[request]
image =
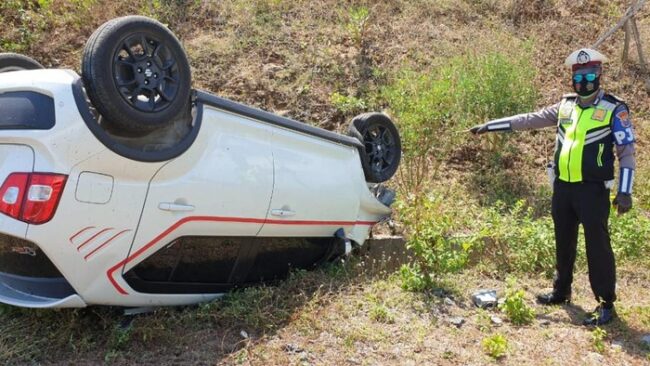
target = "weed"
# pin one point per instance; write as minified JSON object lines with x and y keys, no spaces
{"x":413,"y":279}
{"x":484,"y":321}
{"x":358,"y":20}
{"x":120,"y":338}
{"x":598,"y":336}
{"x":630,"y":234}
{"x":448,"y":355}
{"x":515,"y":241}
{"x":380,"y":313}
{"x":348,"y":104}
{"x":432,"y":238}
{"x":495,"y":346}
{"x":433,"y":107}
{"x":259,"y":307}
{"x":515,"y":308}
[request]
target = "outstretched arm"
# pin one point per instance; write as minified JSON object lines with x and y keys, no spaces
{"x":546,"y":117}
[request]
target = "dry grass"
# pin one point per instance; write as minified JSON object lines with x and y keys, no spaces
{"x":290,"y":57}
{"x":344,"y":332}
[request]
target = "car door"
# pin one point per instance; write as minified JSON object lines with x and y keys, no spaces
{"x":220,"y":187}
{"x":316,"y":187}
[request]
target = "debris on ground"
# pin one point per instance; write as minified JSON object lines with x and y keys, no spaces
{"x":645,"y":341}
{"x":449,"y":302}
{"x":496,"y":320}
{"x":457,"y":321}
{"x":544,"y":322}
{"x":485,"y":298}
{"x":292,"y":348}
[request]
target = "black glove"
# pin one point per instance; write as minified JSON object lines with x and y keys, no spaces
{"x":623,"y":202}
{"x":479,"y":129}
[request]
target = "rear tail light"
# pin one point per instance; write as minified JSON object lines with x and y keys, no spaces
{"x":31,"y":197}
{"x":12,"y":193}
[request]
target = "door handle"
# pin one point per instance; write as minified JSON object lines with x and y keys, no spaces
{"x":175,"y":207}
{"x":282,"y":213}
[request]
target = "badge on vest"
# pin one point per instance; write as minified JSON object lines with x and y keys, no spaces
{"x":599,"y":114}
{"x":565,"y":111}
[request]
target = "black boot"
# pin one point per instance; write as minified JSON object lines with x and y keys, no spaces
{"x":601,"y":315}
{"x":553,"y":298}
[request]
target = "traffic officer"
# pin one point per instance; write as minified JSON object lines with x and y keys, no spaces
{"x":591,"y":127}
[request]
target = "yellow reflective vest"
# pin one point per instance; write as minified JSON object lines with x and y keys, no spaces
{"x":584,"y":149}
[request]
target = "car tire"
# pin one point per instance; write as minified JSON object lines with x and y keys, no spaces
{"x":136,"y":74}
{"x":382,"y":147}
{"x":16,"y":62}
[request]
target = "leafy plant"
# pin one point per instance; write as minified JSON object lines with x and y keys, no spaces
{"x":495,"y":346}
{"x":598,"y":336}
{"x":413,"y":279}
{"x":380,"y":313}
{"x":630,"y":234}
{"x":515,"y":240}
{"x":515,"y":308}
{"x":484,"y":321}
{"x":120,"y":338}
{"x":436,"y":248}
{"x":347,"y":104}
{"x":432,"y":107}
{"x":358,"y":20}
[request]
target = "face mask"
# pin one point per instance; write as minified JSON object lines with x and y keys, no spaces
{"x":586,"y":84}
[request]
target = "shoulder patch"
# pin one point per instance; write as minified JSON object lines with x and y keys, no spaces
{"x":624,"y":118}
{"x":614,"y":98}
{"x":607,"y":105}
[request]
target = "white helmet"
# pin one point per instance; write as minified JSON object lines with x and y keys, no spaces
{"x":584,"y":57}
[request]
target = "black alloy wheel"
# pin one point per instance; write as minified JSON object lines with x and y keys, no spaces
{"x":146,"y":73}
{"x":382,"y":148}
{"x":137,"y":75}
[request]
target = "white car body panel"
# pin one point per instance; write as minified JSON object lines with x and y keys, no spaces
{"x":240,"y":177}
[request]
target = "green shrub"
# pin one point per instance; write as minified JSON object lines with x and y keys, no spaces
{"x":630,"y":235}
{"x":515,"y":308}
{"x":431,"y":106}
{"x":515,"y":241}
{"x":432,"y":227}
{"x":380,"y":313}
{"x":598,"y":336}
{"x":347,"y":104}
{"x":431,"y":109}
{"x":495,"y":346}
{"x":357,"y":23}
{"x":413,"y":279}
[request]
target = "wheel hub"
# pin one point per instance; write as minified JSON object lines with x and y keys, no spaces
{"x":147,"y":74}
{"x":379,"y":147}
{"x":144,"y":70}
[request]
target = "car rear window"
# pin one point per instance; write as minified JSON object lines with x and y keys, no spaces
{"x":26,"y":110}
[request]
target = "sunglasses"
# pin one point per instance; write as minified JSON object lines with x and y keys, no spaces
{"x":589,"y":77}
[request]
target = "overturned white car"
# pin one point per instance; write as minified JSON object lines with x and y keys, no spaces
{"x":126,"y":187}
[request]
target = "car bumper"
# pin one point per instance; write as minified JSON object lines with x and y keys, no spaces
{"x":37,"y":292}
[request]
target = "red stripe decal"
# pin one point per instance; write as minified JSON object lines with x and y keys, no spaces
{"x":93,"y":237}
{"x":241,"y":220}
{"x":79,"y":233}
{"x":104,"y":243}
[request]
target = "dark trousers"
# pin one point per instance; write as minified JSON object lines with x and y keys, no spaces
{"x":585,"y":203}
